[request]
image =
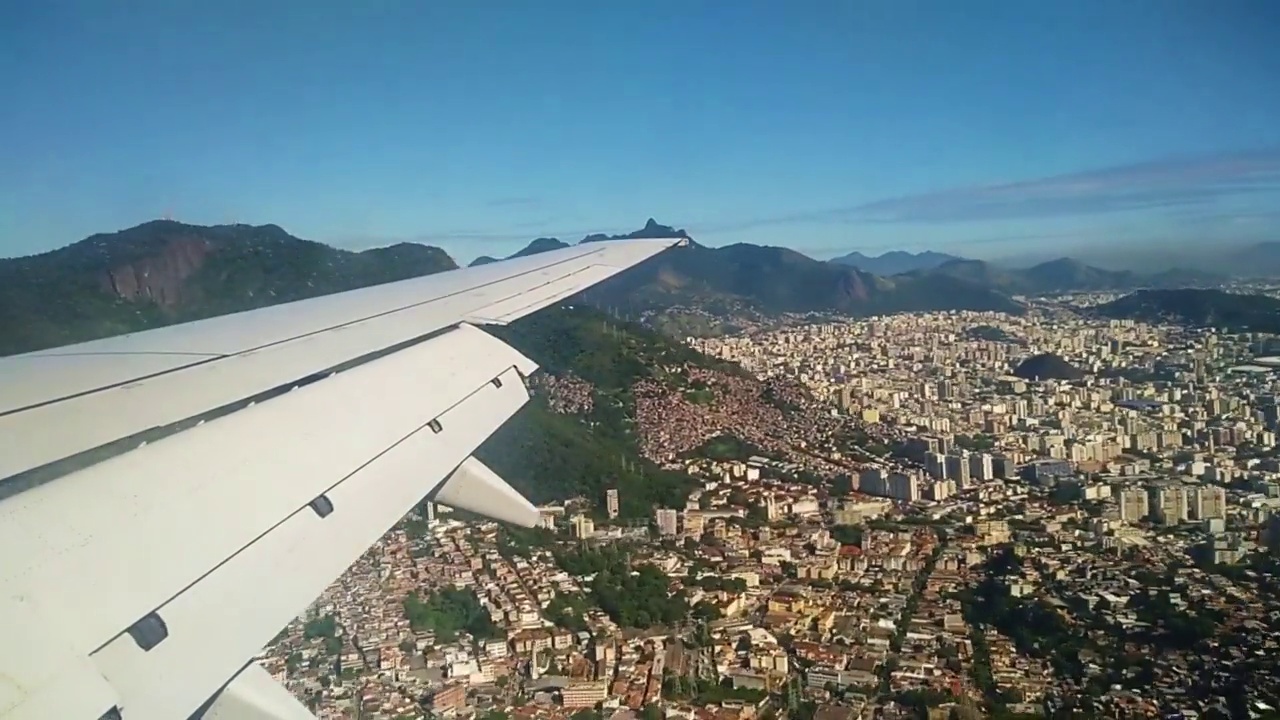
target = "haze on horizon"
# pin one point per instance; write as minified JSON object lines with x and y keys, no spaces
{"x":988,"y":129}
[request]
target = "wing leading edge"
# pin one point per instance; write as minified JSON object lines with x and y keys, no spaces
{"x":137,"y":584}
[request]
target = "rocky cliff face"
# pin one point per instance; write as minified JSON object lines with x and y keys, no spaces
{"x":852,"y":288}
{"x":160,"y":278}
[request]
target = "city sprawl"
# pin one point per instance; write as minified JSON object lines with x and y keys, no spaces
{"x":887,"y":521}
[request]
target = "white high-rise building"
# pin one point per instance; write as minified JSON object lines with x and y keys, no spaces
{"x":903,"y":486}
{"x":1207,"y":502}
{"x":1134,"y":504}
{"x":980,"y":467}
{"x":1168,"y":504}
{"x":667,"y":520}
{"x":611,"y":502}
{"x":582,"y":526}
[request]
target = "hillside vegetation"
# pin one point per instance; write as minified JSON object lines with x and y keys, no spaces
{"x":165,"y":272}
{"x":549,"y":455}
{"x":777,"y":280}
{"x":1233,"y":312}
{"x":1063,"y":275}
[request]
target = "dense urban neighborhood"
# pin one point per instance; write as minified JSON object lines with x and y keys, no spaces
{"x":925,"y":515}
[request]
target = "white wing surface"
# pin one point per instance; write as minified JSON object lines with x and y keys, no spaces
{"x":170,"y":499}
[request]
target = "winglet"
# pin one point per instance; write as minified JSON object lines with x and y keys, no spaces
{"x":476,"y":488}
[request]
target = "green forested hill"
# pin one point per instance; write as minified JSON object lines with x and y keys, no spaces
{"x":1061,"y":275}
{"x":547,"y":455}
{"x":164,"y":272}
{"x":1232,"y":312}
{"x":777,"y":280}
{"x":610,"y":353}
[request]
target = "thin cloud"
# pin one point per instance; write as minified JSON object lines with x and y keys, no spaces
{"x":1175,"y":184}
{"x":1222,"y":217}
{"x":1187,"y":186}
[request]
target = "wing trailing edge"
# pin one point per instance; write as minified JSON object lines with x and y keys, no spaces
{"x":476,"y":488}
{"x":254,"y":695}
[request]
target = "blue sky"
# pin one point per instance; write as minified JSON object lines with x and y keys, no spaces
{"x":985,"y":128}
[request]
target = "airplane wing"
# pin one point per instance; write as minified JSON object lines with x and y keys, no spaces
{"x":170,"y":499}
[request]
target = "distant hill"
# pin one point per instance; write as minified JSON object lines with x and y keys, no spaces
{"x":1047,"y":366}
{"x":1233,"y":312}
{"x":977,"y":272}
{"x":774,"y":279}
{"x":1253,"y":261}
{"x":651,"y":229}
{"x":1065,"y":275}
{"x":1175,"y":278}
{"x":894,"y":261}
{"x":163,"y":272}
{"x":541,"y":245}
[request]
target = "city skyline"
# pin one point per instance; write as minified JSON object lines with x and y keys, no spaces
{"x":995,"y":132}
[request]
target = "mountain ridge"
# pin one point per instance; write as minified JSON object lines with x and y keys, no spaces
{"x":894,"y":262}
{"x":775,"y":279}
{"x":1228,"y":311}
{"x":1063,"y":275}
{"x":652,"y":229}
{"x":162,"y":272}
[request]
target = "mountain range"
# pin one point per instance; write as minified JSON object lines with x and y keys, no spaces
{"x":163,"y":271}
{"x":1252,"y":261}
{"x":651,"y":229}
{"x":744,"y":275}
{"x":767,"y":279}
{"x":776,"y":279}
{"x":894,"y":262}
{"x":1065,"y":275}
{"x":1257,"y":260}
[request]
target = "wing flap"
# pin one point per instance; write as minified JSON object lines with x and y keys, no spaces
{"x":34,"y":683}
{"x":211,"y":623}
{"x":476,"y":488}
